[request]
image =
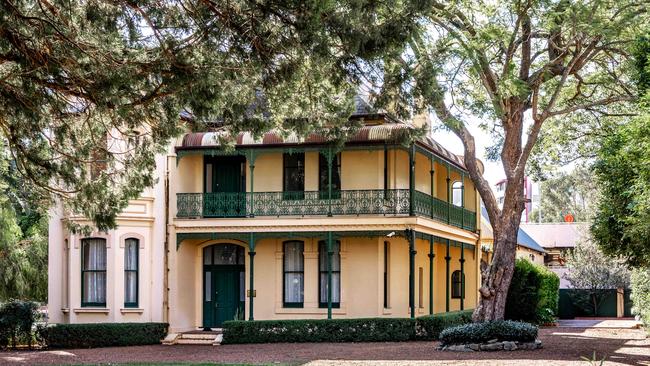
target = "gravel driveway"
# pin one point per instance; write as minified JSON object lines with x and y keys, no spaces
{"x":562,"y":346}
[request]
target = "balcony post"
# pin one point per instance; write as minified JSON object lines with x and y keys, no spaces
{"x":462,"y":276}
{"x":447,"y":259}
{"x":251,"y":287}
{"x":412,"y":180}
{"x":431,"y":256}
{"x":448,"y":196}
{"x":410,"y":233}
{"x":330,"y":253}
{"x":329,"y":183}
{"x":432,"y":186}
{"x":251,"y":166}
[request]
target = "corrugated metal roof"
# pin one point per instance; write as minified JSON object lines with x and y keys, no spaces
{"x":557,"y":235}
{"x":387,"y":132}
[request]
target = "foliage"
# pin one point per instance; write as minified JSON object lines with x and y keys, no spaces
{"x":429,"y":327}
{"x":17,"y":319}
{"x":572,"y":193}
{"x":593,"y":272}
{"x":82,"y":80}
{"x":103,"y":334}
{"x":511,"y":66}
{"x":640,"y":284}
{"x":23,"y":238}
{"x":501,"y":330}
{"x":622,"y":222}
{"x":320,"y":330}
{"x":533,"y":294}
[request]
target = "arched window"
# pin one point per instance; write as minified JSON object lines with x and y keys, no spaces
{"x":457,"y":193}
{"x":131,"y":266}
{"x":294,"y":273}
{"x":457,"y":285}
{"x":93,"y":272}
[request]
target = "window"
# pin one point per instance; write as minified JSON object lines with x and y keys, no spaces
{"x":294,"y":176}
{"x":93,"y":272}
{"x":323,"y":176}
{"x":386,"y":274}
{"x":457,"y":285}
{"x":336,"y":274}
{"x":131,"y":264}
{"x":294,"y":273}
{"x":457,"y":193}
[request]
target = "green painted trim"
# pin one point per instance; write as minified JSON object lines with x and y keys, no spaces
{"x":411,"y":238}
{"x":431,"y":257}
{"x":447,"y":259}
{"x":462,"y":277}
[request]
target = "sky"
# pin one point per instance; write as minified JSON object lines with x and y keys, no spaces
{"x":493,"y":170}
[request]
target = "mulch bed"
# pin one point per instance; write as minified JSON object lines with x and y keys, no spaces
{"x":561,"y":346}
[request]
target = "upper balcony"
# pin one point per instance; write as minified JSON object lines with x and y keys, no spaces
{"x":374,"y":173}
{"x":393,"y":202}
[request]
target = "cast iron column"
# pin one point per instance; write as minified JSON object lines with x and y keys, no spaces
{"x":251,"y":287}
{"x":411,"y":238}
{"x":431,"y":256}
{"x":412,"y":180}
{"x":447,"y":259}
{"x":330,"y":253}
{"x":462,"y":276}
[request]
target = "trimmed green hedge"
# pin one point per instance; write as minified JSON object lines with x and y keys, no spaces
{"x":501,"y":330}
{"x":429,"y":327}
{"x":342,"y":330}
{"x":533,"y":294}
{"x":319,"y":330}
{"x":103,"y":334}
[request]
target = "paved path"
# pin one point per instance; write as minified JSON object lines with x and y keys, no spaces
{"x":562,"y":346}
{"x":599,"y":323}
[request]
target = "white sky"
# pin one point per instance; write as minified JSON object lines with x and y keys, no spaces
{"x":493,"y":170}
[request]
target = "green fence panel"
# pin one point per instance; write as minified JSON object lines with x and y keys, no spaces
{"x":576,"y":303}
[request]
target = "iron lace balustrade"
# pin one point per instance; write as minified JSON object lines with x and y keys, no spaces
{"x":308,"y":203}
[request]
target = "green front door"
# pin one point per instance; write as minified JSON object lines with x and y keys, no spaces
{"x":224,"y":181}
{"x":223,"y":284}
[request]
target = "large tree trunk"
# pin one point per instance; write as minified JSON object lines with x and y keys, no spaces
{"x":497,"y":276}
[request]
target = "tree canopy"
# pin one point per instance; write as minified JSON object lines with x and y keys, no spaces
{"x":511,"y":66}
{"x":622,"y":222}
{"x":79,"y":81}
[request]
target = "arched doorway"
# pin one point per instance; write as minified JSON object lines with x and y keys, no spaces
{"x":223,"y":284}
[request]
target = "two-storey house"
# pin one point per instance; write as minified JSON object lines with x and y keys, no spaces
{"x":280,"y":227}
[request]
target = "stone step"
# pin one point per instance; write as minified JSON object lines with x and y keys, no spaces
{"x":211,"y":336}
{"x":195,"y":341}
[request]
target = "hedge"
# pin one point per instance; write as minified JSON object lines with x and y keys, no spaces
{"x":640,"y":283}
{"x":500,"y":330}
{"x":533,"y":294}
{"x":103,"y":334}
{"x":429,"y":327}
{"x":342,"y":330}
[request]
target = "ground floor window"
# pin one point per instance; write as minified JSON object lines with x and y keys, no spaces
{"x":131,"y":247}
{"x":336,"y":274}
{"x":93,"y":272}
{"x":457,"y":285}
{"x":294,"y":273}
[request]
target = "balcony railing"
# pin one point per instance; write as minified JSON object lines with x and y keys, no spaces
{"x":348,"y":202}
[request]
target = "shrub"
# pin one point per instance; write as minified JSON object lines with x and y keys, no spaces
{"x":501,"y":330}
{"x":640,"y":284}
{"x":103,"y":334}
{"x":429,"y":327}
{"x":319,"y":330}
{"x":533,"y":294}
{"x":17,"y":319}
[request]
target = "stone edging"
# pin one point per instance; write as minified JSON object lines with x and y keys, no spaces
{"x":492,"y":345}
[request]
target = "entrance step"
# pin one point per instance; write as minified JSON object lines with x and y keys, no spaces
{"x":213,"y":337}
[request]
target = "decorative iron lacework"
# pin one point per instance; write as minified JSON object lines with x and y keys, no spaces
{"x":254,"y":237}
{"x":314,"y":203}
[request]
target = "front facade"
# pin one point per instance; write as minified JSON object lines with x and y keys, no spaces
{"x":279,"y":228}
